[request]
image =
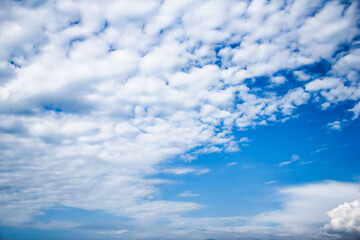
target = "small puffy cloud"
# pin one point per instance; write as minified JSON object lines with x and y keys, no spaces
{"x":244,"y":140}
{"x":325,"y":105}
{"x":336,"y":125}
{"x":322,"y":84}
{"x":348,"y":64}
{"x":295,"y":157}
{"x":356,"y":111}
{"x":345,"y":220}
{"x":278,"y":80}
{"x":301,"y":76}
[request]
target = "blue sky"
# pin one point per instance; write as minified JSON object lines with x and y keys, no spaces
{"x":149,"y":119}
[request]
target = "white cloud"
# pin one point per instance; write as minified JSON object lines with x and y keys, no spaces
{"x":271,"y":182}
{"x":345,"y":220}
{"x":323,"y":84}
{"x":356,"y":111}
{"x":294,"y":158}
{"x":301,"y":76}
{"x":98,"y":95}
{"x":188,"y":194}
{"x":321,"y":34}
{"x":302,"y":216}
{"x":231,"y":164}
{"x":278,"y":80}
{"x":244,"y":140}
{"x":320,"y":150}
{"x":335,"y":125}
{"x":307,"y":205}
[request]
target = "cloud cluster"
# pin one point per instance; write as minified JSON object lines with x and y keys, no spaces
{"x":302,"y":215}
{"x":94,"y":96}
{"x":345,"y":220}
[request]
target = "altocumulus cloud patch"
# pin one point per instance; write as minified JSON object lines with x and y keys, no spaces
{"x":101,"y":102}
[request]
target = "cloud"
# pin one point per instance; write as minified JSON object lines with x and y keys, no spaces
{"x":278,"y":80}
{"x":271,"y":182}
{"x":294,"y":158}
{"x":302,"y":215}
{"x":188,"y":194}
{"x":182,"y":171}
{"x":345,"y":220}
{"x":117,"y":232}
{"x":244,"y":140}
{"x":335,"y":125}
{"x":356,"y":111}
{"x":99,"y":95}
{"x":231,"y":164}
{"x":323,"y":84}
{"x":306,"y":206}
{"x":320,"y":150}
{"x":301,"y":76}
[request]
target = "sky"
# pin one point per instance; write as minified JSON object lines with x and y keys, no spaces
{"x":167,"y":119}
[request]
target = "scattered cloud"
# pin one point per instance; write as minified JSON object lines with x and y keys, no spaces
{"x":188,"y":194}
{"x":320,"y":150}
{"x":244,"y":140}
{"x":302,"y":216}
{"x":301,"y":76}
{"x":95,"y":96}
{"x":231,"y":164}
{"x":323,"y":84}
{"x":335,"y":125}
{"x":271,"y":182}
{"x":278,"y":80}
{"x":356,"y":111}
{"x":294,"y":158}
{"x":182,"y":171}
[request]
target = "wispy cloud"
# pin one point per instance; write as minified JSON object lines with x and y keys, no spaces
{"x":271,"y":182}
{"x":294,"y":158}
{"x":231,"y":164}
{"x":188,"y":194}
{"x":320,"y":150}
{"x":182,"y":171}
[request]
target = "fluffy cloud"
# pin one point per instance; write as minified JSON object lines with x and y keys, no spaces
{"x":356,"y":111}
{"x":94,"y":97}
{"x":345,"y":220}
{"x":323,"y":84}
{"x":302,"y":215}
